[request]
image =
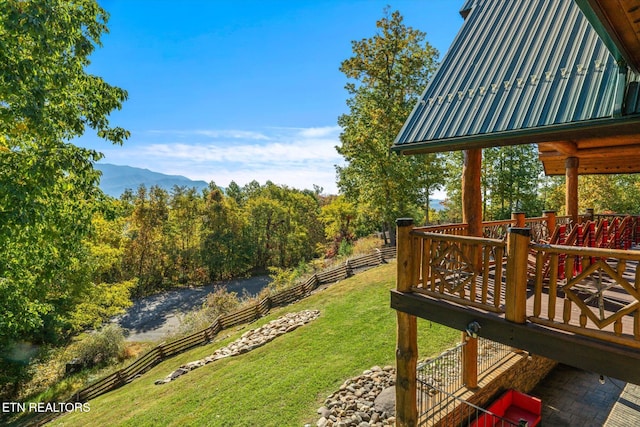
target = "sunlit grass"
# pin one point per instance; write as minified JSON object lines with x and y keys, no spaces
{"x":281,"y":383}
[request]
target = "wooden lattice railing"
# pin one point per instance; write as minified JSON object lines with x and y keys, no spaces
{"x":597,"y":293}
{"x":452,"y":267}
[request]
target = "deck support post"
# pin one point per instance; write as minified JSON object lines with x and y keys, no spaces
{"x":407,"y":333}
{"x":516,"y":286}
{"x":550,"y":217}
{"x":571,"y":172}
{"x":470,"y":361}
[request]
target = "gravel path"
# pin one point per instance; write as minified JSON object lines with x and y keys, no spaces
{"x":153,"y":317}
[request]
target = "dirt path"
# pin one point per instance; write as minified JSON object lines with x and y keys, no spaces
{"x":153,"y":317}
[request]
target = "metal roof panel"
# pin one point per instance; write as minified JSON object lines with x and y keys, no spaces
{"x":516,"y":65}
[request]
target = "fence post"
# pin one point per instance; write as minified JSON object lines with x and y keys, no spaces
{"x":407,"y":341}
{"x":516,"y":286}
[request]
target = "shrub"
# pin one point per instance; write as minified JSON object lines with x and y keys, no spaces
{"x":101,"y":346}
{"x":220,"y":301}
{"x":345,"y":249}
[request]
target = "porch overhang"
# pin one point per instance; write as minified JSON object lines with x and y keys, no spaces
{"x":617,"y":22}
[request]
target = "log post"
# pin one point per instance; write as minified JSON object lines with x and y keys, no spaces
{"x":550,"y":216}
{"x":519,"y":218}
{"x":516,"y":286}
{"x":590,"y":212}
{"x":472,"y":201}
{"x":571,"y":173}
{"x":407,"y":333}
{"x":470,"y":361}
{"x":472,"y":192}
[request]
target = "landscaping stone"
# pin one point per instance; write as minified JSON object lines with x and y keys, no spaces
{"x":386,"y":401}
{"x":353,"y":404}
{"x":249,"y":340}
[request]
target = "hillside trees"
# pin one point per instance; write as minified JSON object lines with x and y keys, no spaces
{"x":49,"y":188}
{"x":388,"y":72}
{"x":161,"y":239}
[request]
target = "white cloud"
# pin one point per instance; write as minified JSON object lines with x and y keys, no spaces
{"x":296,"y":157}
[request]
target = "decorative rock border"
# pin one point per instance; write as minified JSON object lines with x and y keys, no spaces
{"x":364,"y":401}
{"x":249,"y":340}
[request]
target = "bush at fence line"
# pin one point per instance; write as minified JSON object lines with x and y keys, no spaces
{"x":100,"y":347}
{"x":367,"y":245}
{"x":345,"y":249}
{"x":220,"y":301}
{"x":283,"y":278}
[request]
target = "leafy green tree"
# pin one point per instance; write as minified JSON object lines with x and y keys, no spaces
{"x":146,"y":258}
{"x":48,"y":187}
{"x":387,"y":71}
{"x":225,"y":246}
{"x":183,"y":236}
{"x":511,"y":179}
{"x":339,"y":222}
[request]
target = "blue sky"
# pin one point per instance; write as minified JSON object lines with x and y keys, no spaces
{"x":241,"y":90}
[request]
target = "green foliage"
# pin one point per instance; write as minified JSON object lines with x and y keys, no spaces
{"x":346,"y":248}
{"x":221,"y":302}
{"x":103,"y":301}
{"x":49,"y":187}
{"x":282,"y":278}
{"x":339,"y":219}
{"x":510,"y":180}
{"x":390,"y":70}
{"x":144,"y":257}
{"x":47,"y":94}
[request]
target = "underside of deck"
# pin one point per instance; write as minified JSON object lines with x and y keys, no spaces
{"x":583,"y":352}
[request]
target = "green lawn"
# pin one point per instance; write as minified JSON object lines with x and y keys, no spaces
{"x":281,"y":383}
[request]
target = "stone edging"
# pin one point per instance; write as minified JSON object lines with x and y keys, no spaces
{"x":250,"y":340}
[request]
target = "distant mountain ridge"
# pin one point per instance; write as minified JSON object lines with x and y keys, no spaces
{"x":116,"y":179}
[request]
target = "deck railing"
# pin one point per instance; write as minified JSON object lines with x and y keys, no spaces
{"x":451,"y":267}
{"x":589,"y":291}
{"x":584,"y":290}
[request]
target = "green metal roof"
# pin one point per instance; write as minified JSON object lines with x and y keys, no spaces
{"x":517,"y":68}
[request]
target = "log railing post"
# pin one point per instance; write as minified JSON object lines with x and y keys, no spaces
{"x":590,"y":213}
{"x":407,"y":333}
{"x":519,"y":218}
{"x":470,"y":361}
{"x":550,"y":216}
{"x":516,"y":286}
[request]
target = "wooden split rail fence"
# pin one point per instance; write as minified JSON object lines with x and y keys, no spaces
{"x":244,"y":315}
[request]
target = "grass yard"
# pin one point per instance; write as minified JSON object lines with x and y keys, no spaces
{"x":281,"y":383}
